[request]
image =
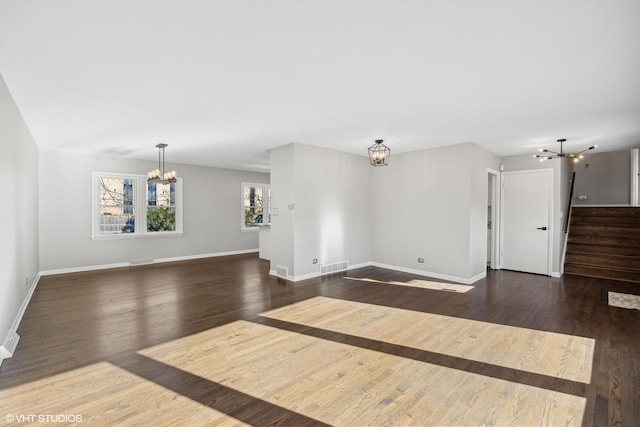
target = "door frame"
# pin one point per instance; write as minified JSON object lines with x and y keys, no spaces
{"x":551,"y":225}
{"x":495,"y":218}
{"x":635,"y":177}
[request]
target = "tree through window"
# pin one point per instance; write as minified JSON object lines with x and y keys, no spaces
{"x":256,"y":205}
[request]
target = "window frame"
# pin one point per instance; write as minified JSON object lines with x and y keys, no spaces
{"x":266,"y":207}
{"x":139,"y":208}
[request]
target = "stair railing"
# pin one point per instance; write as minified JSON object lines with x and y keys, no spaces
{"x":567,"y":220}
{"x":567,"y":217}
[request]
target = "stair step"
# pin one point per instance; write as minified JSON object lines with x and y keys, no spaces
{"x":602,"y":273}
{"x":619,"y":221}
{"x":631,"y":250}
{"x":603,"y":240}
{"x":605,"y":211}
{"x":616,"y":262}
{"x":599,"y":230}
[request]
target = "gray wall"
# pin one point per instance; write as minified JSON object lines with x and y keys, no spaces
{"x":432,"y":204}
{"x":19,"y":215}
{"x":604,"y":178}
{"x":212,"y":213}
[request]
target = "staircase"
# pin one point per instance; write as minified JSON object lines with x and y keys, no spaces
{"x":605,"y":243}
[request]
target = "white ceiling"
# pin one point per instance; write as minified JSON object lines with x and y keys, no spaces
{"x":222,"y":82}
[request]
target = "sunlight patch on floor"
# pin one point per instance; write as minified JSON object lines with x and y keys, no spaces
{"x":102,"y":394}
{"x":548,"y":353}
{"x":341,"y":384}
{"x":423,"y":284}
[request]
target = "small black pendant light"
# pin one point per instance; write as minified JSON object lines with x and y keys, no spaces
{"x":379,"y":154}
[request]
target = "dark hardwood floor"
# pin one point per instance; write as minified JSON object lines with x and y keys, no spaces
{"x":79,"y":320}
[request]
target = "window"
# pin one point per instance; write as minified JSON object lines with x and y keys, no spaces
{"x":161,"y":207}
{"x":256,"y":205}
{"x":128,"y":206}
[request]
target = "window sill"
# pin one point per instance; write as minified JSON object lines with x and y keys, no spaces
{"x":126,"y":236}
{"x":254,"y":228}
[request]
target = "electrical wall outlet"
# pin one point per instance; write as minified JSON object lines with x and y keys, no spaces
{"x":315,"y":260}
{"x":421,"y":260}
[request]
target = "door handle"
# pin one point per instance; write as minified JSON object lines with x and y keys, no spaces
{"x":542,"y":228}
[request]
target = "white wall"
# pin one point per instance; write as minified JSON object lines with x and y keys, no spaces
{"x":330,"y":218}
{"x":432,"y":204}
{"x":282,"y":195}
{"x":332,"y":208}
{"x":19,"y":214}
{"x":481,"y":160}
{"x":212,"y":213}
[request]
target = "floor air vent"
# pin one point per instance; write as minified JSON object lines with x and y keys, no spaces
{"x":282,"y":272}
{"x":9,"y":345}
{"x":334,"y":268}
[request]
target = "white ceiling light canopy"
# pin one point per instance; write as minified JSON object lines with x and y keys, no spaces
{"x":555,"y":155}
{"x":159,"y":175}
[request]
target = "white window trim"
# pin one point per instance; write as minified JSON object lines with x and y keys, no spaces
{"x":140,"y":208}
{"x":266,"y":208}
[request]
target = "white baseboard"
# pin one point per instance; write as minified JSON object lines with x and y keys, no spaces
{"x":10,"y":341}
{"x":154,"y":261}
{"x":318,"y":274}
{"x":25,"y":303}
{"x":465,"y":281}
{"x":85,"y":268}
{"x":213,"y":255}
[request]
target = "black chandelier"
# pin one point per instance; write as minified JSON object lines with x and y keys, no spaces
{"x":555,"y":155}
{"x":379,"y":154}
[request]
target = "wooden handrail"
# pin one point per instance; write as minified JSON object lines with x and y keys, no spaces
{"x":567,"y":217}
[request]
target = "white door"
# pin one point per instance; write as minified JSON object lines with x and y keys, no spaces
{"x":526,"y":220}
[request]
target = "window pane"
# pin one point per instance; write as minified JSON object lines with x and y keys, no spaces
{"x":161,"y":207}
{"x":252,"y":217}
{"x":116,"y":206}
{"x":253,"y":196}
{"x":161,"y":219}
{"x":268,"y":219}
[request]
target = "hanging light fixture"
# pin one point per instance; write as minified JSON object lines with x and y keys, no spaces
{"x":554,"y":155}
{"x":159,"y":175}
{"x":379,"y":154}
